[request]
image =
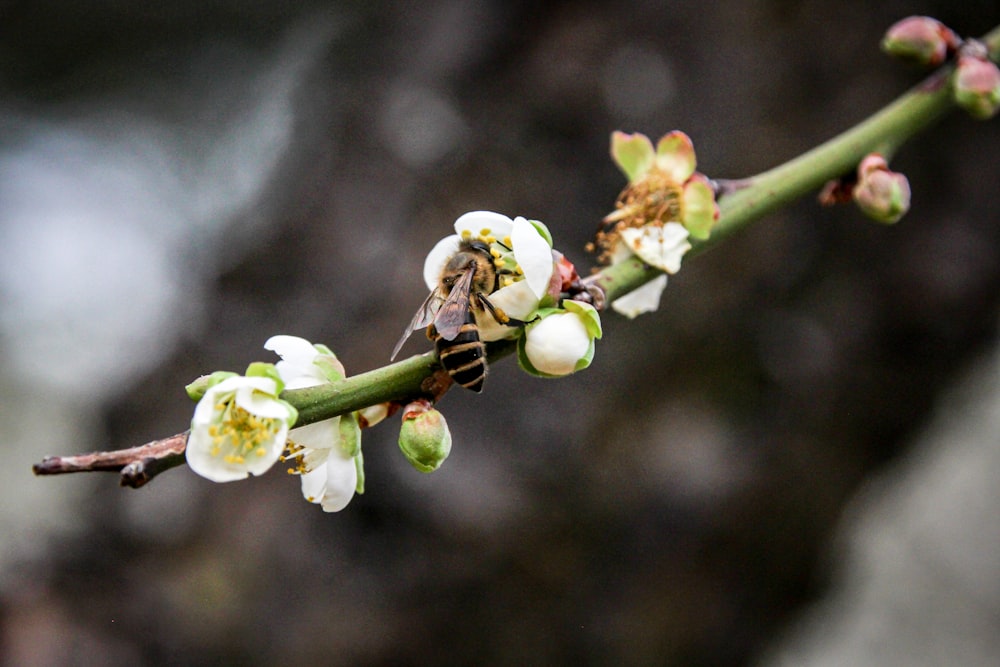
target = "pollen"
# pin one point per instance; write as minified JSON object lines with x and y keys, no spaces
{"x":656,"y":199}
{"x":237,"y":434}
{"x":507,"y":242}
{"x":466,"y":234}
{"x":485,"y":231}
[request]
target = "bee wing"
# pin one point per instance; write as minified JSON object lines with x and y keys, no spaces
{"x":454,"y":312}
{"x":424,"y":316}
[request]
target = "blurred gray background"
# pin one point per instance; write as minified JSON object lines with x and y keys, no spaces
{"x":776,"y":468}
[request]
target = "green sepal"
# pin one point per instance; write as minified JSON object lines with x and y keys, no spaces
{"x":543,"y":230}
{"x":329,"y":367}
{"x":323,"y":349}
{"x":591,"y":318}
{"x":293,"y":413}
{"x":350,"y":435}
{"x":585,"y":360}
{"x":197,"y":389}
{"x":359,"y":463}
{"x":265,"y":370}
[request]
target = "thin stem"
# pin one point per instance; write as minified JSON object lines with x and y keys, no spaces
{"x":758,"y":195}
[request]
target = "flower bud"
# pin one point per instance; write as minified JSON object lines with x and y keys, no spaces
{"x":920,"y":39}
{"x":882,"y":195}
{"x":977,"y":85}
{"x":562,"y":342}
{"x":424,"y":437}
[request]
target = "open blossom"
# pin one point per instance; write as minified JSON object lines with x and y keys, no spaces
{"x":327,"y":454}
{"x":520,"y":246}
{"x":665,"y":202}
{"x":663,"y":184}
{"x":239,"y":428}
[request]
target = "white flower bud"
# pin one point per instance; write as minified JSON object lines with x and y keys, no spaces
{"x":563,"y":342}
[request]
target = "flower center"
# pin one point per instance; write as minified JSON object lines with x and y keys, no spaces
{"x":238,"y":434}
{"x":656,"y":199}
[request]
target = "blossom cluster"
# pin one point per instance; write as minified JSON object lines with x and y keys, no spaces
{"x":241,"y":427}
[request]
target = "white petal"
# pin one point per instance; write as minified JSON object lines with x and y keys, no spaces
{"x":517,"y":300}
{"x":660,"y":246}
{"x":296,"y":367}
{"x":262,"y":402}
{"x":533,"y":254}
{"x":557,"y":343}
{"x":437,"y":258}
{"x":204,"y":412}
{"x":646,"y":299}
{"x":319,"y":435}
{"x":332,"y":484}
{"x":259,"y":464}
{"x":314,"y":484}
{"x":478,"y":222}
{"x":341,"y":481}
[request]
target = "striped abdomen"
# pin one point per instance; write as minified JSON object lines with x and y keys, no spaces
{"x":464,"y":357}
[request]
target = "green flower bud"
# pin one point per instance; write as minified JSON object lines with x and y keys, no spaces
{"x":920,"y":39}
{"x":882,"y":195}
{"x":424,"y":437}
{"x":976,"y":84}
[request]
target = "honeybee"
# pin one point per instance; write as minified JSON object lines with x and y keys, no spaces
{"x":449,"y":313}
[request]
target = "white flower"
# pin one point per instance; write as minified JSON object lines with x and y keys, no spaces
{"x":660,"y":246}
{"x":327,"y":453}
{"x":562,"y":342}
{"x":532,"y":254}
{"x":239,"y":429}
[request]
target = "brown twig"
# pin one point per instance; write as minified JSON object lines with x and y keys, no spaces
{"x":136,"y":465}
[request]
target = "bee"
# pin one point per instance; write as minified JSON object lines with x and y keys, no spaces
{"x":449,"y":313}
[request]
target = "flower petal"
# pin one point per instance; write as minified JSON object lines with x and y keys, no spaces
{"x":646,"y":299}
{"x":437,"y":258}
{"x":533,"y":255}
{"x":699,"y":212}
{"x":297,"y":366}
{"x":675,"y":156}
{"x":517,"y":300}
{"x":332,"y":484}
{"x":318,"y":435}
{"x":262,"y":402}
{"x":660,"y":246}
{"x":484,"y":223}
{"x":633,"y":153}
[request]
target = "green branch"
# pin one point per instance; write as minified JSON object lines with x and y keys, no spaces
{"x":754,"y":197}
{"x":740,"y":202}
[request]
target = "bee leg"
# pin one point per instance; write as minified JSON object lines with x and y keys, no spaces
{"x":500,"y":316}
